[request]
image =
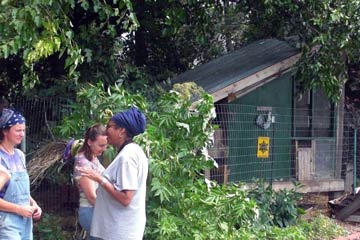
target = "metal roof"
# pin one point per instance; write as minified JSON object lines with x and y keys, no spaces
{"x":232,"y":67}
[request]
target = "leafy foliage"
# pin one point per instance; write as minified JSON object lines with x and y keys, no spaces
{"x":36,"y":30}
{"x":328,"y":33}
{"x":278,"y":208}
{"x":189,"y":91}
{"x":319,"y":227}
{"x":100,"y":40}
{"x":49,"y":228}
{"x":182,"y":203}
{"x":322,"y":227}
{"x":94,"y":105}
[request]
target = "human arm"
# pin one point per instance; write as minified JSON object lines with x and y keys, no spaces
{"x":22,"y":210}
{"x":4,"y":176}
{"x":10,"y":207}
{"x":37,"y":211}
{"x":124,"y":197}
{"x":88,"y":187}
{"x":85,"y":184}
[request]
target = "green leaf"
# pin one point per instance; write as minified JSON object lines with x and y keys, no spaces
{"x":5,"y":50}
{"x":4,"y":2}
{"x":69,"y":34}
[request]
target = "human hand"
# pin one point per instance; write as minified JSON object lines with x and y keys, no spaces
{"x":90,"y":173}
{"x":37,"y":213}
{"x":25,"y":211}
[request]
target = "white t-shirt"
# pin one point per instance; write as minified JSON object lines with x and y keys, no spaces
{"x":111,"y":220}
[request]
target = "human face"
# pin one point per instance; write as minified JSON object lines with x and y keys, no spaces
{"x":15,"y":134}
{"x":98,"y":146}
{"x":116,"y":135}
{"x":112,"y":132}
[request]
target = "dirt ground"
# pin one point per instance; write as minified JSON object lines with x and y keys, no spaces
{"x":352,"y":229}
{"x":318,"y":204}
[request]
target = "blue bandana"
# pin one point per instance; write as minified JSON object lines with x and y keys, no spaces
{"x":133,"y":120}
{"x":9,"y":118}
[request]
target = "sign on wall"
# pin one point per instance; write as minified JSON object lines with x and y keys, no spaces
{"x":263,"y":147}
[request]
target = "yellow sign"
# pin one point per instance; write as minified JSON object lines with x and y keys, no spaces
{"x":263,"y":147}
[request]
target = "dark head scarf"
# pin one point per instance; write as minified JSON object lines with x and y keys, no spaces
{"x":9,"y":118}
{"x":133,"y":120}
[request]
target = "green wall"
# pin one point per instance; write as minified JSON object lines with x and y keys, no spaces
{"x":243,"y":133}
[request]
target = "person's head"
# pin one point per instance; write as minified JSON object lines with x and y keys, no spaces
{"x":12,"y":126}
{"x":125,"y":125}
{"x":95,"y":141}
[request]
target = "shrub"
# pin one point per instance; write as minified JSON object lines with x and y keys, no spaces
{"x":182,"y":203}
{"x":49,"y":228}
{"x":278,"y":208}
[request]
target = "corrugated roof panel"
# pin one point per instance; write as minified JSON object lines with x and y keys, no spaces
{"x":230,"y":68}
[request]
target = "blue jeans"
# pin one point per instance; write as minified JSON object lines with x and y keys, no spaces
{"x":85,"y":216}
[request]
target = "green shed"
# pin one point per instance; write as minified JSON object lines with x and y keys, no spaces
{"x":265,"y":129}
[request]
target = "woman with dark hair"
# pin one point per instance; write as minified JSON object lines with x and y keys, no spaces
{"x":119,"y":211}
{"x":17,"y":207}
{"x":87,"y":157}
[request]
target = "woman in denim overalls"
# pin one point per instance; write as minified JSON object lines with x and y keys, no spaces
{"x":17,"y":208}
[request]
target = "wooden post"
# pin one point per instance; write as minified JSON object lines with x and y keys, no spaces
{"x":305,"y":164}
{"x":225,"y":174}
{"x":349,"y":209}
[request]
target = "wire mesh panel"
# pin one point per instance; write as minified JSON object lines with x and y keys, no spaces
{"x":54,"y":195}
{"x":257,"y":145}
{"x":250,"y":142}
{"x":350,"y":146}
{"x":41,"y":115}
{"x":272,"y":143}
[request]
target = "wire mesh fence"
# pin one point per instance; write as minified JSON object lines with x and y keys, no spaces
{"x":250,"y":142}
{"x":281,"y":144}
{"x":41,"y":114}
{"x":56,"y":196}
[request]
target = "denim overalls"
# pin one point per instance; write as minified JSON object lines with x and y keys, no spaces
{"x":13,"y":226}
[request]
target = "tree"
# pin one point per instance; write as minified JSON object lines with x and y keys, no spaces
{"x":45,"y":35}
{"x":124,"y":41}
{"x":326,"y":32}
{"x":104,"y":41}
{"x":330,"y":27}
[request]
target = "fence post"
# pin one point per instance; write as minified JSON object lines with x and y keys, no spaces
{"x":272,"y":145}
{"x":23,"y":144}
{"x":355,"y":142}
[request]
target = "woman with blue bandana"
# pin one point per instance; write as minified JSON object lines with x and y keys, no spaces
{"x":119,"y":211}
{"x":17,"y":207}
